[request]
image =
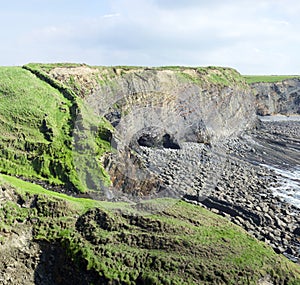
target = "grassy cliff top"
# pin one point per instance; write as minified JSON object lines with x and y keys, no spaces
{"x":268,"y":78}
{"x":67,"y":73}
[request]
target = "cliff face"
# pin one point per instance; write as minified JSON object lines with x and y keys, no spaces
{"x":160,"y":108}
{"x":278,"y":98}
{"x":71,"y":117}
{"x":187,"y":103}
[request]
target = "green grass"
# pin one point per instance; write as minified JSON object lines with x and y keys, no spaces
{"x":37,"y":117}
{"x":219,"y":76}
{"x":23,"y":187}
{"x":183,"y":244}
{"x":223,"y":76}
{"x":172,"y":67}
{"x":127,"y":67}
{"x":34,"y":129}
{"x":268,"y":78}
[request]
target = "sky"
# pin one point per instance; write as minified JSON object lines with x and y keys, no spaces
{"x":254,"y":37}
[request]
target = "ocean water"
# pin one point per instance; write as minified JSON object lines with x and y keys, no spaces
{"x":288,"y":187}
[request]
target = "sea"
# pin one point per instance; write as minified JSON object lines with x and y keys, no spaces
{"x":288,"y":187}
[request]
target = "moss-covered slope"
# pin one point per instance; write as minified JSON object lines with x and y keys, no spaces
{"x":37,"y":117}
{"x":114,"y":244}
{"x":35,"y":128}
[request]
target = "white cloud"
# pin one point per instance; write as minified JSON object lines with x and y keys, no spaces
{"x":112,"y":15}
{"x":252,"y":36}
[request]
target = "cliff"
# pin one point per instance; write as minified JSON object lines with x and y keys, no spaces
{"x":78,"y":116}
{"x":281,"y":97}
{"x":128,"y":137}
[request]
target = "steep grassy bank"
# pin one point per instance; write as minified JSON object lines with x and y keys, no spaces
{"x":112,"y":244}
{"x":37,"y":128}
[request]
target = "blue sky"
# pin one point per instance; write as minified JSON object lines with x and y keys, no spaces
{"x":255,"y":37}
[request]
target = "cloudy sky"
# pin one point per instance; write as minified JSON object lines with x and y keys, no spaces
{"x":255,"y":36}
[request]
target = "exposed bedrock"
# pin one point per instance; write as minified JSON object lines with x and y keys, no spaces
{"x":186,"y":109}
{"x":163,"y":109}
{"x":278,"y":98}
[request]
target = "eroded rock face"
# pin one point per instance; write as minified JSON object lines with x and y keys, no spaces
{"x":158,"y":109}
{"x":278,"y":98}
{"x":185,"y":109}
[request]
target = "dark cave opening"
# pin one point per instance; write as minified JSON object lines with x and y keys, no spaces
{"x":166,"y":141}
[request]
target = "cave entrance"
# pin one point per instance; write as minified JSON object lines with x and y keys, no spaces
{"x":165,"y":141}
{"x":168,"y":142}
